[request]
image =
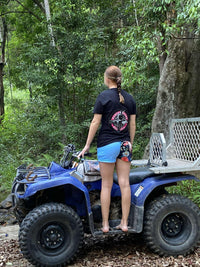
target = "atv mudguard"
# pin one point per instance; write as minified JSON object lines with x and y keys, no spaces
{"x":59,"y":176}
{"x":140,"y":192}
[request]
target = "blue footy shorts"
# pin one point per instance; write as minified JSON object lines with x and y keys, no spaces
{"x":117,"y":150}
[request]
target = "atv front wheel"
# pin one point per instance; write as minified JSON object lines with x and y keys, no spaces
{"x":172,"y":225}
{"x":51,"y":235}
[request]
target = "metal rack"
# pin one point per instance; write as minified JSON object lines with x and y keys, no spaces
{"x":30,"y":174}
{"x":183,"y":152}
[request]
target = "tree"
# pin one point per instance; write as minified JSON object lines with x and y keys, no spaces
{"x":163,"y":33}
{"x":67,"y":76}
{"x":48,"y":15}
{"x":3,"y":39}
{"x":178,"y":92}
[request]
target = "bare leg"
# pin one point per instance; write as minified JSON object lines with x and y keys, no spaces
{"x":107,"y":170}
{"x":123,"y":170}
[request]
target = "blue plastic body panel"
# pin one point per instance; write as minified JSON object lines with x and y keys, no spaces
{"x":72,"y":187}
{"x":61,"y":177}
{"x":139,"y":192}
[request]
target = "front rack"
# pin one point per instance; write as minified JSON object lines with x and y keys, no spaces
{"x":30,"y":173}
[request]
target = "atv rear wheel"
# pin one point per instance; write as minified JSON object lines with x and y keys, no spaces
{"x":51,"y":235}
{"x":172,"y":225}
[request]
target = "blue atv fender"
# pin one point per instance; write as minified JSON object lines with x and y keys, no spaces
{"x":53,"y":177}
{"x":145,"y":186}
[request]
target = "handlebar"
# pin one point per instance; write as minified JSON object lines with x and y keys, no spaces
{"x":87,"y":154}
{"x":70,"y":154}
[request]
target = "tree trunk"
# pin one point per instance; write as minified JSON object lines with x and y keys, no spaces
{"x":1,"y":93}
{"x":2,"y":63}
{"x":162,"y":52}
{"x":48,"y":16}
{"x":178,"y":92}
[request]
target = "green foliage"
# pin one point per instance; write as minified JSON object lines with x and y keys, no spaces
{"x":50,"y":90}
{"x":62,"y":82}
{"x":141,"y":75}
{"x":31,"y":133}
{"x":189,"y":189}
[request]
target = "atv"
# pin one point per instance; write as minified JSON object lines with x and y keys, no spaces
{"x":56,"y":205}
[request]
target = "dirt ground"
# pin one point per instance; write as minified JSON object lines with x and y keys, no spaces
{"x":104,"y":251}
{"x":9,"y":232}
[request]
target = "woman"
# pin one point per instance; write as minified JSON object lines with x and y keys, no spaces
{"x":115,"y":109}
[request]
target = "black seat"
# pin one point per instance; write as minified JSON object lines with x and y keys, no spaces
{"x":137,"y":175}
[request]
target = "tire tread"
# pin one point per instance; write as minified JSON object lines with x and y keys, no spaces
{"x":153,"y":208}
{"x":33,"y":216}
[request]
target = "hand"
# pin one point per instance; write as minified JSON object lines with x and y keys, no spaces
{"x":130,"y":146}
{"x":85,"y":149}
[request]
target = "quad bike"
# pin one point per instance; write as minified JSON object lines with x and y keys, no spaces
{"x":56,"y":205}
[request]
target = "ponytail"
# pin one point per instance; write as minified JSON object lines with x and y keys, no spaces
{"x":121,"y":98}
{"x":114,"y":73}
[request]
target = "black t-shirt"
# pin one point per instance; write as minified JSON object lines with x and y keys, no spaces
{"x":115,"y":116}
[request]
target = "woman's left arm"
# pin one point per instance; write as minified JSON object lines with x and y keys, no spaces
{"x":132,"y":127}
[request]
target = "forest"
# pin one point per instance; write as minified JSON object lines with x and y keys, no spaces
{"x":53,"y":55}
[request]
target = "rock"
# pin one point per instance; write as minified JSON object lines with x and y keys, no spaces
{"x":6,"y":203}
{"x":6,"y":212}
{"x":3,"y":210}
{"x":7,"y":218}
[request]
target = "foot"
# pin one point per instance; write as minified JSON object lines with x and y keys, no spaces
{"x":105,"y":229}
{"x":124,"y":228}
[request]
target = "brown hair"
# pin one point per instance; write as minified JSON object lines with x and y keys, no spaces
{"x":114,"y":73}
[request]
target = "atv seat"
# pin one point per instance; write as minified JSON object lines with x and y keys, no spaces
{"x":137,"y":175}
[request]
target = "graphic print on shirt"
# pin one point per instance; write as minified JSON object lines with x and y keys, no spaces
{"x":119,"y":120}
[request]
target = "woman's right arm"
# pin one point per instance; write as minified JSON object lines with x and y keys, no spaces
{"x":94,"y":125}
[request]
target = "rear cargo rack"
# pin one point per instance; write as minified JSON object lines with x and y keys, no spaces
{"x":183,"y":152}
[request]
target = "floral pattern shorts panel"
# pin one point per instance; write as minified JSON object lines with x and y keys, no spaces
{"x":125,"y":153}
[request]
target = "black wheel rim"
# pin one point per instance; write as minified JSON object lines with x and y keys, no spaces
{"x":176,"y":228}
{"x":52,"y":237}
